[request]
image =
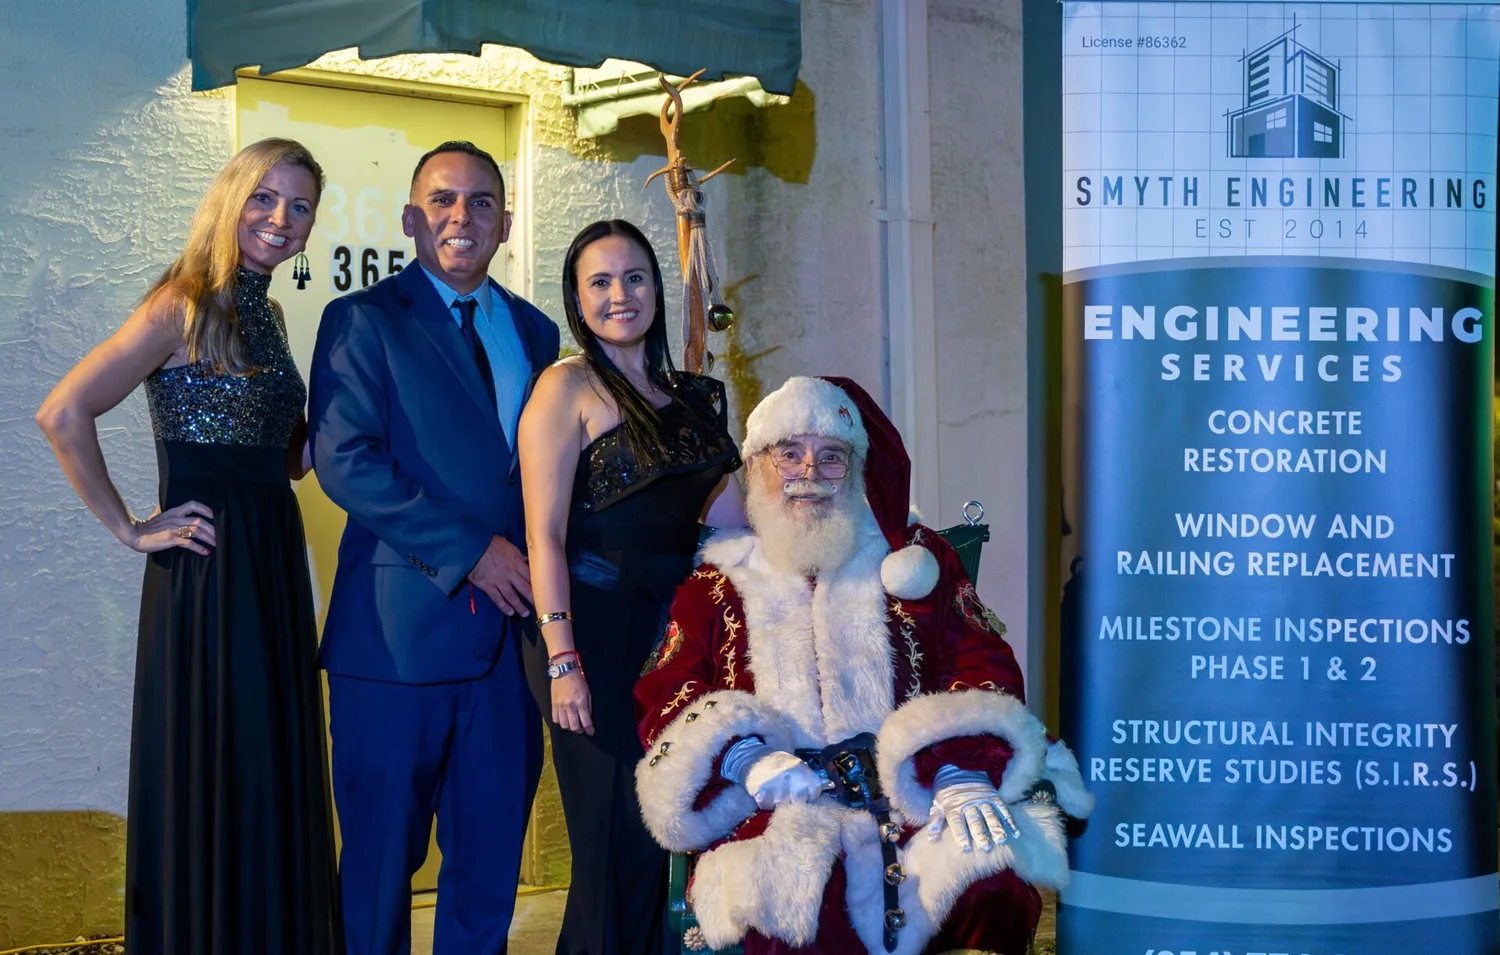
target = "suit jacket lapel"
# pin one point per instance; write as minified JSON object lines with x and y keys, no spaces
{"x":425,"y":306}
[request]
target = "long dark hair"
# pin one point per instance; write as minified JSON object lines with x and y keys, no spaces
{"x":638,"y":419}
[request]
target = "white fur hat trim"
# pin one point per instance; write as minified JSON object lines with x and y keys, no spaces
{"x":805,"y":406}
{"x":909,"y":573}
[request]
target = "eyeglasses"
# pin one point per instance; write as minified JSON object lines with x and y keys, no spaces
{"x":791,"y":463}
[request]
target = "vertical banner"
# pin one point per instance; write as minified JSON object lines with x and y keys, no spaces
{"x":1279,"y":236}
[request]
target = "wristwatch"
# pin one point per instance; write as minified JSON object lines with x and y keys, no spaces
{"x":555,"y":670}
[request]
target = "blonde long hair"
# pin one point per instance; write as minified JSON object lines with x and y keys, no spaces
{"x":201,"y":281}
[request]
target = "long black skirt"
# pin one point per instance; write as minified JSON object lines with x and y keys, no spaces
{"x":230,"y":834}
{"x":617,"y":898}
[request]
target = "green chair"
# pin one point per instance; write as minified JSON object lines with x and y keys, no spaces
{"x":968,"y":539}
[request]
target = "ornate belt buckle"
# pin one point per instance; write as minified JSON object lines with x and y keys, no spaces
{"x":851,"y":768}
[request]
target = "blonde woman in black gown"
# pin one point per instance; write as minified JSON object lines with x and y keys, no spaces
{"x":621,"y":458}
{"x":229,"y":838}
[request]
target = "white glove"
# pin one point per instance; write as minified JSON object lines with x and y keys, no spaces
{"x":773,"y":777}
{"x":966,"y":803}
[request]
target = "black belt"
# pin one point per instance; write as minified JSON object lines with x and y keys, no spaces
{"x":850,"y":767}
{"x":643,"y":574}
{"x":590,"y":568}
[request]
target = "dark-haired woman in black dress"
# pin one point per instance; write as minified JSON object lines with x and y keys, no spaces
{"x":621,"y":458}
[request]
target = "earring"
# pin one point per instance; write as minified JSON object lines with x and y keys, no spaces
{"x":300,"y":272}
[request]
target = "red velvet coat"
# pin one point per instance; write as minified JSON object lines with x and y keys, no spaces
{"x":804,"y":663}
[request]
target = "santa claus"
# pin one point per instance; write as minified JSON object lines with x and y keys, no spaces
{"x":834,"y":723}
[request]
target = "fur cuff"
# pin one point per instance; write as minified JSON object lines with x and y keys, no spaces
{"x":942,"y":871}
{"x":909,"y":573}
{"x":1061,"y":769}
{"x":772,"y":883}
{"x":676,"y":769}
{"x":935,"y":717}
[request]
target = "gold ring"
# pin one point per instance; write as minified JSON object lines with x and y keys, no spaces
{"x":185,"y":532}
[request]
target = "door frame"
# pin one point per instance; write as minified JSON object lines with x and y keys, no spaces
{"x":518,"y":144}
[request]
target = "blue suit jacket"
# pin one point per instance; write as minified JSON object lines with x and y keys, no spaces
{"x":406,"y":441}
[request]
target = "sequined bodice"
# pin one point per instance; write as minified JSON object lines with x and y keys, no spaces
{"x":192,"y":403}
{"x":644,"y":519}
{"x":694,"y":436}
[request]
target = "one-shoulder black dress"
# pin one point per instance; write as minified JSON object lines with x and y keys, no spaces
{"x":230,"y":836}
{"x":632,"y":535}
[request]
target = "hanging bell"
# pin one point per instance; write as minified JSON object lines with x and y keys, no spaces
{"x":708,"y":361}
{"x":720,"y":318}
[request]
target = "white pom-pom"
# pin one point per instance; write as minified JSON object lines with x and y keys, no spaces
{"x":909,"y":573}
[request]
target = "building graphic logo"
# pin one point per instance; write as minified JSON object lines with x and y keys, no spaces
{"x":1291,"y":108}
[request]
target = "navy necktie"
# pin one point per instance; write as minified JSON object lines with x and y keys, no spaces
{"x":466,"y":308}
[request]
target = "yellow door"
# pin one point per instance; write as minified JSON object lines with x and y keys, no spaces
{"x":367,"y":143}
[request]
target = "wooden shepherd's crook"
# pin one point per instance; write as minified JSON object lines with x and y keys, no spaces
{"x":680,"y":180}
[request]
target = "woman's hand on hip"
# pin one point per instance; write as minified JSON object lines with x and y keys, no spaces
{"x":572,"y":709}
{"x":187,"y":525}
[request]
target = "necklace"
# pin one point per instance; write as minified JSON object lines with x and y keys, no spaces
{"x":647,"y":388}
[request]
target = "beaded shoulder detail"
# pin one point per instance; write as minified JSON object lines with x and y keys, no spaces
{"x":694,"y":436}
{"x":195,"y":403}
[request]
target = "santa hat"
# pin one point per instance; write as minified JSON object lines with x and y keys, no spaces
{"x":839,"y":408}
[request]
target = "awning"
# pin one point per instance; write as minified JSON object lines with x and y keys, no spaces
{"x":759,"y":38}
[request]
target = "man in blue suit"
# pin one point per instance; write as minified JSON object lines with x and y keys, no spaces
{"x":417,"y":383}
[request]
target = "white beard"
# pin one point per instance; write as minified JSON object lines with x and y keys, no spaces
{"x":807,"y":545}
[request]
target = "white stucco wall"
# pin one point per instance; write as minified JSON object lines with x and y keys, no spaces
{"x":814,"y":248}
{"x":106,"y":156}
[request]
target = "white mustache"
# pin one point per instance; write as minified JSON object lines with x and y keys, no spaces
{"x":808,"y":488}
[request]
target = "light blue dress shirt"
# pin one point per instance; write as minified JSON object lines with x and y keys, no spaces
{"x":502,"y":343}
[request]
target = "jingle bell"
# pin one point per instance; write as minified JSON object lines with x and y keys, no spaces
{"x":720,"y":318}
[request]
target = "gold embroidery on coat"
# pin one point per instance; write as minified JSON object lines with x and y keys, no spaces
{"x":732,"y":627}
{"x":966,"y":601}
{"x":959,"y":685}
{"x":717,"y":591}
{"x":670,"y":643}
{"x":680,"y":698}
{"x":908,"y":630}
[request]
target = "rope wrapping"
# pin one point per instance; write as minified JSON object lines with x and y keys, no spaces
{"x":699,"y":269}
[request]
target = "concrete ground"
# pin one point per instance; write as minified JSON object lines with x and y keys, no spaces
{"x":533,"y":931}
